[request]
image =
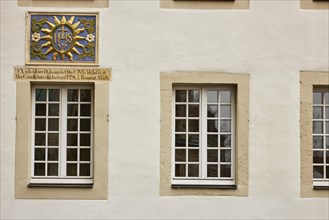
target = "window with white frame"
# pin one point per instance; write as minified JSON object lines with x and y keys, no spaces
{"x":320,"y":136}
{"x":203,"y":136}
{"x":62,"y":139}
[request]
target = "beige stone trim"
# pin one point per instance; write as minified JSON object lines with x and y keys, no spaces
{"x":308,"y":80}
{"x":241,"y":81}
{"x":64,"y":3}
{"x":313,"y":4}
{"x":205,"y":4}
{"x":23,"y":148}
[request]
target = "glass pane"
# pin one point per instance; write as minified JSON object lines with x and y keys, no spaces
{"x":180,"y":110}
{"x":193,"y":110}
{"x":212,"y":155}
{"x":317,"y":98}
{"x":84,"y":124}
{"x":40,"y":139}
{"x":72,"y":140}
{"x":180,"y":170}
{"x":326,"y":98}
{"x":212,"y":140}
{"x":193,"y":155}
{"x":225,"y":96}
{"x":180,"y":155}
{"x":40,"y":124}
{"x":327,"y":158}
{"x":71,"y":169}
{"x":317,"y":142}
{"x":53,"y":154}
{"x":327,"y":112}
{"x":225,"y":125}
{"x":212,"y":170}
{"x":53,"y":124}
{"x":193,"y":95}
{"x":84,"y":139}
{"x":72,"y":124}
{"x":71,"y":154}
{"x":40,"y":95}
{"x":317,"y":171}
{"x":180,"y":125}
{"x":53,"y":109}
{"x":53,"y":95}
{"x":317,"y":112}
{"x":84,"y":154}
{"x":72,"y":95}
{"x":40,"y":109}
{"x":225,"y":170}
{"x":52,"y":169}
{"x":39,"y":154}
{"x":225,"y":140}
{"x":212,"y":111}
{"x":327,"y":127}
{"x":85,"y":95}
{"x":212,"y":126}
{"x":85,"y":169}
{"x":193,"y":170}
{"x":327,"y":142}
{"x":180,"y":140}
{"x":327,"y":171}
{"x":39,"y":169}
{"x":193,"y":140}
{"x":317,"y":127}
{"x":225,"y":111}
{"x":180,"y":95}
{"x":317,"y":156}
{"x":72,"y":109}
{"x":53,"y":139}
{"x":212,"y":96}
{"x":225,"y":155}
{"x":193,"y":125}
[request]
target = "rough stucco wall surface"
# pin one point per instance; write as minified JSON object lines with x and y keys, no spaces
{"x":272,"y":42}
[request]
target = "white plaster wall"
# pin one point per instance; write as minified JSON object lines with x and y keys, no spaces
{"x":272,"y":41}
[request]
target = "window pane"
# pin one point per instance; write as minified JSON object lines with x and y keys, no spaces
{"x":180,"y":110}
{"x":53,"y":124}
{"x":326,"y":98}
{"x":85,"y":110}
{"x":317,"y":127}
{"x":180,"y":170}
{"x":53,"y":154}
{"x":193,"y":110}
{"x":180,"y":95}
{"x":71,"y":169}
{"x":327,"y":171}
{"x":72,"y":109}
{"x":212,"y":96}
{"x":84,"y":154}
{"x":317,"y":156}
{"x":212,"y":170}
{"x":72,"y":124}
{"x":317,"y":142}
{"x":225,"y":155}
{"x":72,"y":95}
{"x":40,"y":109}
{"x":327,"y":112}
{"x":40,"y":124}
{"x":53,"y":95}
{"x":53,"y":139}
{"x":317,"y":171}
{"x":71,"y":154}
{"x":85,"y":95}
{"x":193,"y":95}
{"x":180,"y":125}
{"x":180,"y":155}
{"x":225,"y":140}
{"x":84,"y":124}
{"x":225,"y":111}
{"x":85,"y":169}
{"x":225,"y":125}
{"x":39,"y":169}
{"x":84,"y":139}
{"x":327,"y":127}
{"x":225,"y":96}
{"x":40,"y":95}
{"x":72,"y":140}
{"x":327,"y":142}
{"x":40,"y":139}
{"x":193,"y":170}
{"x":212,"y":111}
{"x":212,"y":155}
{"x":53,"y":109}
{"x":193,"y":155}
{"x":212,"y":140}
{"x":193,"y":140}
{"x":327,"y":157}
{"x":212,"y":126}
{"x":39,"y":154}
{"x":317,"y":98}
{"x":317,"y":112}
{"x":225,"y":170}
{"x":180,"y":140}
{"x":52,"y":169}
{"x":193,"y":125}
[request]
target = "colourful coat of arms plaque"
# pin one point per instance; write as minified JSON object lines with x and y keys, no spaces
{"x":62,"y":38}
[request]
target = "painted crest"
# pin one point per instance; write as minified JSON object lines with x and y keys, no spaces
{"x":67,"y":39}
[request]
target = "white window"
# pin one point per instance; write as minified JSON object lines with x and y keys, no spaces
{"x":62,"y":139}
{"x":203,"y":136}
{"x":321,"y":137}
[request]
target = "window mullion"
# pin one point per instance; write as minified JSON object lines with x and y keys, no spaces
{"x":203,"y":133}
{"x":63,"y":131}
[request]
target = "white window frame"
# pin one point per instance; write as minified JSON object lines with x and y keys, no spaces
{"x":61,"y":178}
{"x":203,"y":180}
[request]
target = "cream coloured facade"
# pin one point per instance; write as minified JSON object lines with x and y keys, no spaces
{"x":273,"y":53}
